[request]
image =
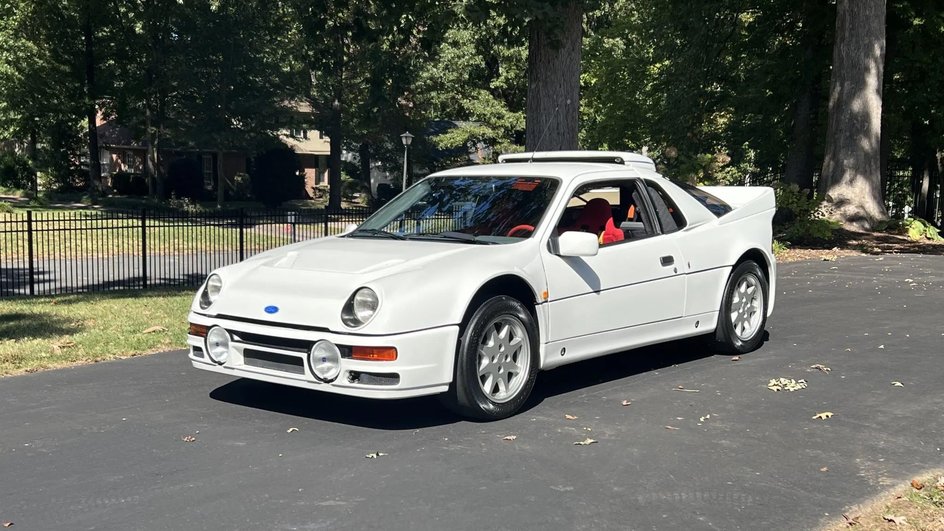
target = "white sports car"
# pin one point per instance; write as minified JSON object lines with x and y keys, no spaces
{"x":476,"y":278}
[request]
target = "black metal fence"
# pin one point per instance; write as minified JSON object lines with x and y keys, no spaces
{"x":48,"y":253}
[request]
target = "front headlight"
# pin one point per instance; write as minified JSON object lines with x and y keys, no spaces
{"x":360,"y":308}
{"x":211,"y":291}
{"x":217,"y":345}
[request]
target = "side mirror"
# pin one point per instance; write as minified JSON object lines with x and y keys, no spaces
{"x":349,"y":228}
{"x":576,"y":243}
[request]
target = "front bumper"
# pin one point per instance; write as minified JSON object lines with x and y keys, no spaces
{"x":275,"y":354}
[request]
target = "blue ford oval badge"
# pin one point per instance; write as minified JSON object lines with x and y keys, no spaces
{"x":271,"y":309}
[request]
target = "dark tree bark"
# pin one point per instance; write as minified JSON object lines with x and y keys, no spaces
{"x":91,"y":100}
{"x":799,"y":165}
{"x":553,"y":99}
{"x":851,"y":175}
{"x":334,"y":158}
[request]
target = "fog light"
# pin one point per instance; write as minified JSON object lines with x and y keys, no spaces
{"x":324,"y":361}
{"x":217,"y":344}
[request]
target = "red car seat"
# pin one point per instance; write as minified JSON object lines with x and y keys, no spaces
{"x":597,"y":217}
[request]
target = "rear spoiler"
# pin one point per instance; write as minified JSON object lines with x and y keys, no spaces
{"x":745,"y":201}
{"x":625,"y":158}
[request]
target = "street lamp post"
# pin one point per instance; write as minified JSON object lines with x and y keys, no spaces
{"x":407,"y":138}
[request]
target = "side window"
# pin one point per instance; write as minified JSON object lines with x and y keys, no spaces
{"x":670,"y":218}
{"x":615,"y":211}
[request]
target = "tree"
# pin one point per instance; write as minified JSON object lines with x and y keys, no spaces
{"x":851,"y":176}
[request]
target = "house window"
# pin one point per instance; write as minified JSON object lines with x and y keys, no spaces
{"x":300,"y":133}
{"x":320,"y":135}
{"x":127,"y":161}
{"x":208,"y":171}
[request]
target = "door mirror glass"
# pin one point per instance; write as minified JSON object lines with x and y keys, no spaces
{"x":576,"y":243}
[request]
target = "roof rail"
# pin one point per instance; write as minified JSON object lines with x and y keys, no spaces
{"x":605,"y":157}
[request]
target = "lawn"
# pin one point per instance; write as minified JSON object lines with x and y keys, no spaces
{"x":48,"y":332}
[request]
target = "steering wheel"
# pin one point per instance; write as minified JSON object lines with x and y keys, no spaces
{"x":517,"y":228}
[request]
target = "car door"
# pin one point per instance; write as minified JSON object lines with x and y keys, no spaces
{"x":631,"y":282}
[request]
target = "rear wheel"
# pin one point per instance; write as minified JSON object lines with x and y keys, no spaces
{"x":496,"y":361}
{"x":743,"y":312}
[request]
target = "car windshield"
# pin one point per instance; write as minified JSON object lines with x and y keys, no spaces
{"x":468,"y":209}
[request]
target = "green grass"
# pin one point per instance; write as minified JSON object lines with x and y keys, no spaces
{"x":47,"y":332}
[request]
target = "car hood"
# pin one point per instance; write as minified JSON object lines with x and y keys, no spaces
{"x":307,"y":284}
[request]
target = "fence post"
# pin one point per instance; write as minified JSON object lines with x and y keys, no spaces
{"x":144,"y":277}
{"x":242,"y":237}
{"x":325,"y":212}
{"x":29,"y":251}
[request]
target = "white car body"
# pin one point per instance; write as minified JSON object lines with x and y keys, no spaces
{"x":622,"y":297}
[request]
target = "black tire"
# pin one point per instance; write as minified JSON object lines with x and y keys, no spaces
{"x":734,"y":338}
{"x":466,"y":396}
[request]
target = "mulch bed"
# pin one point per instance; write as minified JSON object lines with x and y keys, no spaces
{"x":851,"y":243}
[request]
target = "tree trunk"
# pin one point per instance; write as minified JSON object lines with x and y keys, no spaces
{"x":334,"y":159}
{"x":851,"y":176}
{"x":91,"y":110}
{"x":34,"y":175}
{"x":799,"y":166}
{"x":553,"y":100}
{"x":363,"y":153}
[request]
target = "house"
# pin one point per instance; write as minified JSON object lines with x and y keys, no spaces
{"x":121,"y":152}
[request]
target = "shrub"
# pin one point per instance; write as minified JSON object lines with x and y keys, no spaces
{"x":352,"y":187}
{"x":125,"y":183}
{"x":799,"y":216}
{"x":276,"y":177}
{"x":921,"y":229}
{"x":15,"y":171}
{"x":185,"y":179}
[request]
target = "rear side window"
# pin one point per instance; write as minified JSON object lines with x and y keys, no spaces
{"x":712,"y":203}
{"x":670,"y":218}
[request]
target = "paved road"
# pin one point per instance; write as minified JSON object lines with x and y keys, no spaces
{"x":99,"y":447}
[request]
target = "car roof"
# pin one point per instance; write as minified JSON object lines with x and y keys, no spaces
{"x":565,"y":171}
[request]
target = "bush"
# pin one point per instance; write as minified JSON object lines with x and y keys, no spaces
{"x":15,"y":172}
{"x":125,"y":183}
{"x":351,"y":188}
{"x":276,"y":177}
{"x":185,"y":179}
{"x":920,"y":229}
{"x":799,"y":216}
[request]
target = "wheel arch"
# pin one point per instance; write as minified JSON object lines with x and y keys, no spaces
{"x":758,"y":257}
{"x":507,"y":284}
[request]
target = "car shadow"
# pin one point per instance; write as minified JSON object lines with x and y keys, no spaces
{"x":425,"y":412}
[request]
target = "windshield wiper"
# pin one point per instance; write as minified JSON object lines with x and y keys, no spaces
{"x":454,"y":236}
{"x":376,"y":232}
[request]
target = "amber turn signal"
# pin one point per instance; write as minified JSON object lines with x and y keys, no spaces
{"x":374,"y":353}
{"x":198,"y":330}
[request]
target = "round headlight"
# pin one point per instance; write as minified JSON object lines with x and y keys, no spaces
{"x":211,"y":291}
{"x":324,"y":360}
{"x":365,"y":304}
{"x":217,"y":344}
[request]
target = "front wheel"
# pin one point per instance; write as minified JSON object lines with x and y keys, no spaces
{"x":743,"y":312}
{"x":496,"y":363}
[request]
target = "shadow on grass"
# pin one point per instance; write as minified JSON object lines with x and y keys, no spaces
{"x":22,"y":325}
{"x":414,"y":413}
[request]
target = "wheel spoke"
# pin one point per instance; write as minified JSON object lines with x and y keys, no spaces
{"x":503,"y":358}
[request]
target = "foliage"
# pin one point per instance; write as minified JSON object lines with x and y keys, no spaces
{"x":779,"y":247}
{"x":351,"y":187}
{"x":15,"y":171}
{"x":276,"y":177}
{"x":800,"y":217}
{"x":185,"y":179}
{"x":921,"y":229}
{"x":125,"y":183}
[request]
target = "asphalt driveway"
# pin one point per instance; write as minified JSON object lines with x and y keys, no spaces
{"x":102,"y":446}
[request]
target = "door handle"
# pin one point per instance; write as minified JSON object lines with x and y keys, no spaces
{"x":667,"y":261}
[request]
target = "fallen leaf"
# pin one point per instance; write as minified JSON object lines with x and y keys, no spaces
{"x":7,"y":524}
{"x":703,"y":419}
{"x":625,"y":403}
{"x":736,"y":358}
{"x":786,"y":384}
{"x":586,"y":442}
{"x":881,"y":346}
{"x":375,"y":455}
{"x":509,"y":437}
{"x":824,"y":469}
{"x":898,"y":384}
{"x":828,"y":258}
{"x":916,"y":485}
{"x":154,"y":329}
{"x":671,"y":428}
{"x":940,"y":483}
{"x":188,"y":438}
{"x":587,"y":429}
{"x":570,"y":417}
{"x":820,"y":367}
{"x":897,"y":520}
{"x":682,"y":388}
{"x":291,"y":430}
{"x":823,"y":416}
{"x":851,"y":520}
